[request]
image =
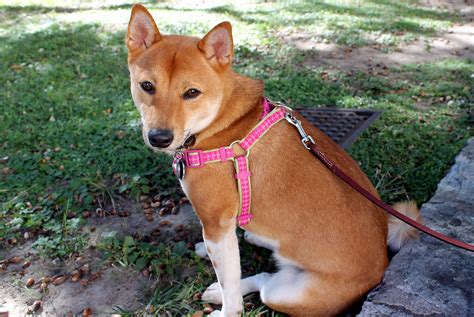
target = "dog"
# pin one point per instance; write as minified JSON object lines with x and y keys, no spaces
{"x":329,"y":241}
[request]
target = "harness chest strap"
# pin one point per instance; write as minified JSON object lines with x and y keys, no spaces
{"x":199,"y":158}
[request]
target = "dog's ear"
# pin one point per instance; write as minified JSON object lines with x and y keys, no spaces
{"x":218,"y":46}
{"x":142,"y":30}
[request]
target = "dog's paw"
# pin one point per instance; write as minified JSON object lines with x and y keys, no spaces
{"x":248,"y":237}
{"x":213,"y":294}
{"x":253,"y":239}
{"x":215,"y":313}
{"x":201,"y":251}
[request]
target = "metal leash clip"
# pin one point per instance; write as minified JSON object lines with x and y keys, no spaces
{"x":291,"y":118}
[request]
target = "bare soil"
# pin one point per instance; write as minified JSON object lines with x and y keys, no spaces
{"x":104,"y":286}
{"x":458,"y":41}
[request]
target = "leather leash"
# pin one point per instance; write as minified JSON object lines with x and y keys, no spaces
{"x":309,"y":143}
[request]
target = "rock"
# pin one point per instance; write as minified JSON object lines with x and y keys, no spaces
{"x":427,"y":276}
{"x":458,"y":184}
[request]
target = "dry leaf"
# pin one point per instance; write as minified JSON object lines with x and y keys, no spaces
{"x":87,"y":312}
{"x":59,"y":280}
{"x":164,"y":223}
{"x":30,"y":282}
{"x":37,"y":305}
{"x":75,"y":276}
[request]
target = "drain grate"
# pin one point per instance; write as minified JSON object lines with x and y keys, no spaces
{"x":342,"y":125}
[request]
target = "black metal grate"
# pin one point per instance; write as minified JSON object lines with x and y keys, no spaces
{"x":342,"y":125}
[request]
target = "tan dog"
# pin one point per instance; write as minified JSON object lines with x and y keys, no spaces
{"x":330,"y":242}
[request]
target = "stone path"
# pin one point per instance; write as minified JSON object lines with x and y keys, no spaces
{"x":429,"y":277}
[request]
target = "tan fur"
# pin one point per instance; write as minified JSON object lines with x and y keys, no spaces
{"x":330,"y":231}
{"x":398,"y":231}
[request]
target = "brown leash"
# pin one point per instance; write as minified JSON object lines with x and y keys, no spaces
{"x":320,"y":155}
{"x":309,"y":144}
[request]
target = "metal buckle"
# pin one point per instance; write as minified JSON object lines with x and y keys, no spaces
{"x":238,"y":143}
{"x":291,"y":118}
{"x":188,"y":153}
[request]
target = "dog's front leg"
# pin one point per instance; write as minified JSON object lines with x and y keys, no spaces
{"x":223,"y":249}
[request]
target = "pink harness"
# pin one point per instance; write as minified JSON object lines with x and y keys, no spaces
{"x":198,"y":158}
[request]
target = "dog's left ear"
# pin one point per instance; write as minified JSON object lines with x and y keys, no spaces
{"x":218,"y":46}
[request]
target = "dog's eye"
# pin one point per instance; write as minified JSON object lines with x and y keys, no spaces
{"x":148,"y":87}
{"x":191,"y":93}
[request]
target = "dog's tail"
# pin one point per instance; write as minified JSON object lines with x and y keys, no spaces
{"x":398,"y":231}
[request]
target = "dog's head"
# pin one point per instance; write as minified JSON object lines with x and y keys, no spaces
{"x":177,"y":82}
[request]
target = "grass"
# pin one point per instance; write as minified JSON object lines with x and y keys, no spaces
{"x":71,"y":139}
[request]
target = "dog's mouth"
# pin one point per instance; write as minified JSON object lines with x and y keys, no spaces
{"x":190,"y":140}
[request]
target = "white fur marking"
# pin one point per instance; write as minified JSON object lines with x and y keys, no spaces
{"x":288,"y":285}
{"x":226,"y":260}
{"x":261,"y":241}
{"x":247,"y":285}
{"x":200,"y":249}
{"x":213,"y":294}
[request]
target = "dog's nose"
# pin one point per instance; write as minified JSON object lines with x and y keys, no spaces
{"x":160,"y":138}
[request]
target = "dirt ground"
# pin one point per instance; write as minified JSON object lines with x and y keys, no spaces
{"x":458,"y":41}
{"x":102,"y":288}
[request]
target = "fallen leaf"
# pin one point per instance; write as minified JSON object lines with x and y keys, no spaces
{"x":16,"y":67}
{"x":30,"y":282}
{"x":184,"y":200}
{"x":75,"y":276}
{"x":164,"y":223}
{"x":37,"y":305}
{"x":87,"y":312}
{"x":59,"y":280}
{"x":43,"y":287}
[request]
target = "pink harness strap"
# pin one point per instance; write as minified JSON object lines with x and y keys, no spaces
{"x":243,"y":181}
{"x":198,"y":158}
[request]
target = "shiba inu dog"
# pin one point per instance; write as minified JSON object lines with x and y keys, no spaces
{"x":329,"y":241}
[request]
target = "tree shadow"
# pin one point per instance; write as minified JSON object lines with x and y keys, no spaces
{"x":344,"y":23}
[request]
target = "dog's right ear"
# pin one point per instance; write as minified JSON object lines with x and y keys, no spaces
{"x":218,"y":46}
{"x":142,"y":30}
